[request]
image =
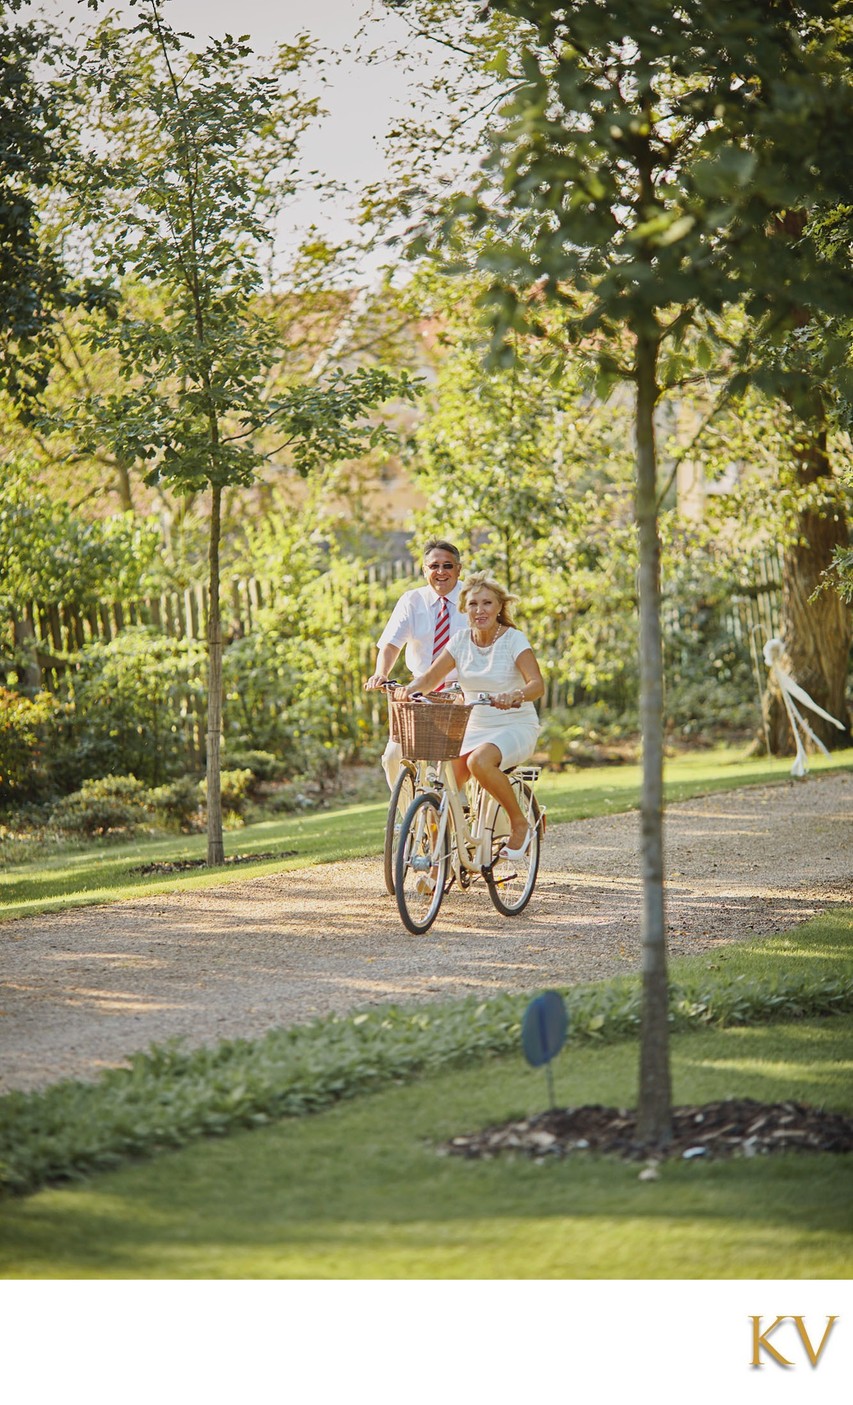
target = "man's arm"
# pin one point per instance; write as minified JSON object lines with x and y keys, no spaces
{"x":385,"y":660}
{"x":391,"y":640}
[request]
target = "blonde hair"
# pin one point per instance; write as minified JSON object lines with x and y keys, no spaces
{"x":481,"y":580}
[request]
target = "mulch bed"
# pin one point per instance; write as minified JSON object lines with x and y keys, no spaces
{"x":180,"y":865}
{"x":735,"y":1127}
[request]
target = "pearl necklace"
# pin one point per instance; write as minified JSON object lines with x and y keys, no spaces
{"x":484,"y":648}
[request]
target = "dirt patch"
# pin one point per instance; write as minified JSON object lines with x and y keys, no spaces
{"x":735,"y":1127}
{"x":83,"y":989}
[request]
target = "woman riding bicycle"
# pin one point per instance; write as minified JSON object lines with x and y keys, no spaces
{"x":491,"y":656}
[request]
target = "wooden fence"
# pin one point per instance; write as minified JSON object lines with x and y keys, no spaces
{"x":43,"y":637}
{"x":41,"y":640}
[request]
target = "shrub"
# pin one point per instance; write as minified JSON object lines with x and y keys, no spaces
{"x":260,"y":686}
{"x":178,"y":804}
{"x":235,"y":790}
{"x":52,"y":553}
{"x":322,"y":765}
{"x":99,"y":806}
{"x":554,"y":735}
{"x":137,"y":702}
{"x":263,"y":765}
{"x":24,"y":731}
{"x":281,"y":693}
{"x":290,"y":799}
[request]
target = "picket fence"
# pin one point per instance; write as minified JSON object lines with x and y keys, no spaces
{"x":42,"y":639}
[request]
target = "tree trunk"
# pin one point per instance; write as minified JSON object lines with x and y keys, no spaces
{"x":654,"y":1119}
{"x":26,"y":649}
{"x":123,"y":486}
{"x":215,"y":846}
{"x":816,"y":633}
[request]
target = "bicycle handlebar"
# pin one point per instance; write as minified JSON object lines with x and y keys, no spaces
{"x":391,"y":683}
{"x":481,"y":700}
{"x":484,"y":699}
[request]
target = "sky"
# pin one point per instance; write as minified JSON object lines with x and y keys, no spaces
{"x":362,"y":100}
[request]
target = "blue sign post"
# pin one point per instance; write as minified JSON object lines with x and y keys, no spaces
{"x":543,"y":1032}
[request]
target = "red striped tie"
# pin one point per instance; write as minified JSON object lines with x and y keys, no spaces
{"x":442,"y":632}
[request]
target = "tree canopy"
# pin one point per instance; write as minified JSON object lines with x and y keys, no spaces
{"x":32,"y":280}
{"x":193,"y":155}
{"x":639,"y":176}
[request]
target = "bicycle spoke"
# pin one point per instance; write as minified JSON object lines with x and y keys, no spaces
{"x":420,"y":873}
{"x":401,"y":798}
{"x":511,"y":881}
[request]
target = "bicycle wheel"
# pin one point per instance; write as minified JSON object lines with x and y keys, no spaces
{"x":401,"y":798}
{"x":511,"y":882}
{"x":420,"y":871}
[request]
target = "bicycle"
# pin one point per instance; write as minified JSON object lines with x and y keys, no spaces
{"x":401,"y":798}
{"x":452,"y":836}
{"x":413,"y":778}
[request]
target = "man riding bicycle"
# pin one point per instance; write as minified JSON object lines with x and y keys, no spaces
{"x":421,"y":622}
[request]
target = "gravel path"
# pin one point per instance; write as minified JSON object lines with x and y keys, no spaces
{"x":83,"y":989}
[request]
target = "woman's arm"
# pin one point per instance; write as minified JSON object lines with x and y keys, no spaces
{"x":534,"y":683}
{"x":438,"y":669}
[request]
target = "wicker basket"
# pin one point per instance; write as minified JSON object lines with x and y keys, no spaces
{"x":428,"y":733}
{"x":394,"y":725}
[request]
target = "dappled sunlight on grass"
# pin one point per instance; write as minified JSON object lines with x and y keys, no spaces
{"x":807,"y":1061}
{"x":359,"y":1191}
{"x":765,"y":1068}
{"x":601,"y":790}
{"x":556,"y":1246}
{"x":825,"y":944}
{"x":104,"y":870}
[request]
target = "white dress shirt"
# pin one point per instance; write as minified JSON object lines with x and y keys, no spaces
{"x":412,"y":624}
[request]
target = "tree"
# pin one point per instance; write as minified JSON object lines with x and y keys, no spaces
{"x":816,"y":623}
{"x":196,"y":151}
{"x":776,"y":411}
{"x":632,"y":179}
{"x":49,"y":435}
{"x":807,"y":367}
{"x":31,"y":277}
{"x":35,"y":158}
{"x":50,"y":554}
{"x":34,"y":284}
{"x":840,"y":574}
{"x":512,"y":456}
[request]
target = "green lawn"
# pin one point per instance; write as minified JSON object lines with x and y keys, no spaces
{"x":359,"y":1192}
{"x":104,"y":872}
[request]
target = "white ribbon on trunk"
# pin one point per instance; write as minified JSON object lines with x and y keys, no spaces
{"x":773,"y":651}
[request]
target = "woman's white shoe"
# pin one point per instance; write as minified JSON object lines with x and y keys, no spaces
{"x":514,"y":854}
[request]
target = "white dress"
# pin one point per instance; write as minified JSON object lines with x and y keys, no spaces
{"x":493,"y":669}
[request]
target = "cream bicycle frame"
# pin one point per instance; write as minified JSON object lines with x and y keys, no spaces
{"x":468,"y":854}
